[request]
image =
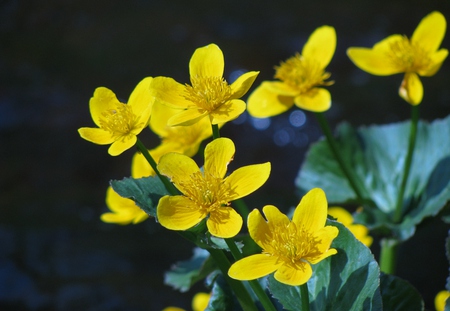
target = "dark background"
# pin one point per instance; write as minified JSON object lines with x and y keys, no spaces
{"x":55,"y":253}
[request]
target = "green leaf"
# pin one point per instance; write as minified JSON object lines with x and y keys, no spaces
{"x":346,"y":281}
{"x":221,"y":295}
{"x":399,"y":295}
{"x":184,"y":274}
{"x":377,"y":155}
{"x":146,"y":192}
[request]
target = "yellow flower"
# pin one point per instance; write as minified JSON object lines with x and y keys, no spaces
{"x":118,"y":123}
{"x":300,"y":79}
{"x":416,"y":56}
{"x":199,"y":303}
{"x":182,"y":139}
{"x":207,"y":192}
{"x":289,"y":247}
{"x":123,"y":211}
{"x":359,"y":231}
{"x":209,"y":94}
{"x":441,"y":298}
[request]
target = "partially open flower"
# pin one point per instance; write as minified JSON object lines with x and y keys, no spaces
{"x":418,"y":56}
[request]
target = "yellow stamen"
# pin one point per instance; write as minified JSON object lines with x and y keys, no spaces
{"x":301,"y":73}
{"x":292,"y":244}
{"x":208,"y":192}
{"x":208,"y":93}
{"x":119,"y":121}
{"x":407,"y":56}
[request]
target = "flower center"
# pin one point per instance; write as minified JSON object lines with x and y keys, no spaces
{"x":409,"y":57}
{"x":208,"y":93}
{"x":292,"y":244}
{"x":208,"y":192}
{"x":119,"y":121}
{"x":301,"y":73}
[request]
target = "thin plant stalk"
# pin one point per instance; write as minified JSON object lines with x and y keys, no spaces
{"x":215,"y":130}
{"x":305,"y":296}
{"x":169,"y":186}
{"x":242,"y":295}
{"x":388,"y":255}
{"x":398,"y":213}
{"x":354,"y":183}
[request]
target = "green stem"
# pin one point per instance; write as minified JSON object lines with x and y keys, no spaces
{"x":254,"y":284}
{"x":241,"y":208}
{"x":169,"y":186}
{"x":335,"y":150}
{"x":388,"y":255}
{"x":398,"y":213}
{"x":215,"y":131}
{"x":242,"y":295}
{"x":305,"y":296}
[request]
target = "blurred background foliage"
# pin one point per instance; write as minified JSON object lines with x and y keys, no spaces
{"x":55,"y":253}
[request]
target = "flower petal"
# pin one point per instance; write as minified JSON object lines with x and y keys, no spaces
{"x":253,"y":267}
{"x":178,"y":213}
{"x":321,"y":46}
{"x":341,"y":215}
{"x":228,"y":111}
{"x":122,"y":144}
{"x":317,"y":100}
{"x":430,"y":32}
{"x":264,"y":102}
{"x":247,"y":179}
{"x":102,"y":100}
{"x":218,"y":154}
{"x":200,"y":301}
{"x":294,"y":275}
{"x":437,"y":61}
{"x":117,"y":218}
{"x":207,"y":61}
{"x":411,"y":89}
{"x":117,"y":204}
{"x":96,"y":135}
{"x":187,"y":117}
{"x":141,"y":98}
{"x":258,"y":228}
{"x":376,"y":61}
{"x":178,"y":168}
{"x":276,"y":220}
{"x":160,"y":115}
{"x":280,"y":88}
{"x":224,"y":222}
{"x":243,"y":84}
{"x":324,"y":236}
{"x":311,"y":212}
{"x":169,"y":92}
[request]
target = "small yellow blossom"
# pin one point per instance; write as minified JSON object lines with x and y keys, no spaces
{"x":118,"y":123}
{"x":209,"y":94}
{"x":123,"y":211}
{"x":416,"y":56}
{"x":440,"y":300}
{"x":182,"y":139}
{"x":199,"y":303}
{"x":207,"y":193}
{"x":301,"y":78}
{"x":359,"y":231}
{"x":289,"y":247}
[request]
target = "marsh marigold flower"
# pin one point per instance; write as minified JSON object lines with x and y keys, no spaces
{"x":418,"y":56}
{"x":288,"y":247}
{"x":118,"y":123}
{"x":181,"y":139}
{"x":301,"y":78}
{"x":360,"y":232}
{"x":207,"y":193}
{"x":209,"y":95}
{"x":441,"y":299}
{"x":123,"y":211}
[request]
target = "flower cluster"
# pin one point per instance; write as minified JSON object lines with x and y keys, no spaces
{"x":198,"y":201}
